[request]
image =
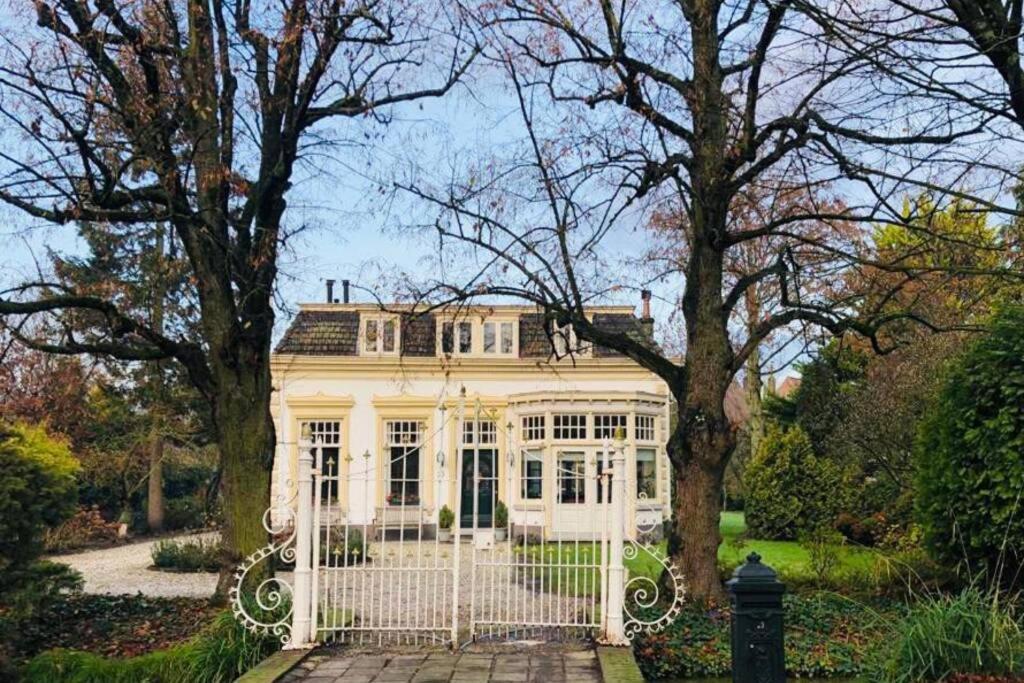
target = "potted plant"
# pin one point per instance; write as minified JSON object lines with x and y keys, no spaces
{"x":500,"y":521}
{"x":445,"y":519}
{"x":399,"y":499}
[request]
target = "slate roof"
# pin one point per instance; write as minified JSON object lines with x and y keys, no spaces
{"x":336,"y":333}
{"x":321,"y":333}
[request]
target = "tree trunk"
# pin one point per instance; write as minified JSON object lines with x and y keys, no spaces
{"x":245,"y":434}
{"x":753,"y":380}
{"x":155,"y":490}
{"x":694,"y":544}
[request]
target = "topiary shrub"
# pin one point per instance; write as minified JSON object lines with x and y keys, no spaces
{"x":790,"y":491}
{"x":37,"y":491}
{"x":445,"y":518}
{"x":970,"y":455}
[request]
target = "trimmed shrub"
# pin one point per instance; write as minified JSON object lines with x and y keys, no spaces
{"x":974,"y":632}
{"x":500,"y":516}
{"x":445,"y":518}
{"x":188,"y":555}
{"x":970,"y":469}
{"x":790,"y":491}
{"x":37,"y":490}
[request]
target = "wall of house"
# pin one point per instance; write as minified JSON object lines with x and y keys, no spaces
{"x":362,"y":395}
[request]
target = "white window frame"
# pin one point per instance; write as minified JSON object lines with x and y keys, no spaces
{"x":399,"y":427}
{"x":645,"y":428}
{"x":613,"y":420}
{"x":564,"y":339}
{"x":654,"y":463}
{"x":531,"y":455}
{"x":533,"y":425}
{"x":379,"y":320}
{"x":584,"y":425}
{"x":579,"y":475}
{"x":488,"y":433}
{"x":328,"y":431}
{"x":456,"y":324}
{"x":498,"y":324}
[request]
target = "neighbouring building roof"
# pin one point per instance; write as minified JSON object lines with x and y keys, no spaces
{"x":333,"y":330}
{"x":788,"y":386}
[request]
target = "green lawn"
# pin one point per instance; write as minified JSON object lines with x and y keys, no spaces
{"x":786,"y":557}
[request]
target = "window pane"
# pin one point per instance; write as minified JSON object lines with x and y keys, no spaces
{"x":601,"y":483}
{"x":533,"y":427}
{"x":371,"y":336}
{"x":533,"y":476}
{"x":489,"y":341}
{"x":447,"y":337}
{"x":645,"y":427}
{"x":646,"y":473}
{"x":389,"y":336}
{"x":570,"y":426}
{"x":571,"y":482}
{"x":506,"y":337}
{"x":606,"y":426}
{"x":465,"y":337}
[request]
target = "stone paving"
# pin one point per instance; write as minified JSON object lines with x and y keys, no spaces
{"x":523,"y":666}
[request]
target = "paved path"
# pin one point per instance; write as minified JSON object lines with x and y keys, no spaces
{"x":125,"y":569}
{"x":539,"y":664}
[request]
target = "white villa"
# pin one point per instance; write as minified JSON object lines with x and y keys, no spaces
{"x":382,"y":391}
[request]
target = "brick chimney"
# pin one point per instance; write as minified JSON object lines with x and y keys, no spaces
{"x":646,"y":321}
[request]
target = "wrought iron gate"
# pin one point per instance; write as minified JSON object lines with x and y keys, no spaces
{"x":383,"y":575}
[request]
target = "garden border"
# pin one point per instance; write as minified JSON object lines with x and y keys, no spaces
{"x":618,"y":665}
{"x":274,"y":667}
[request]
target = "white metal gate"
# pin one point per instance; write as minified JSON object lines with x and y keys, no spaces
{"x":384,"y":575}
{"x":382,"y":579}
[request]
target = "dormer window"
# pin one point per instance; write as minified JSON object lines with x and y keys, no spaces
{"x":379,"y":335}
{"x":565,"y":341}
{"x":499,"y":337}
{"x":456,"y":337}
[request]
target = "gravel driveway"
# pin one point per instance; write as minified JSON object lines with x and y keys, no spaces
{"x":125,"y":569}
{"x":394,"y":592}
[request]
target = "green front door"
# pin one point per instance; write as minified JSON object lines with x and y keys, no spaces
{"x":486,"y":493}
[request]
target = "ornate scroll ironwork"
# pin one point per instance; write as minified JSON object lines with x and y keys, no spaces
{"x":645,"y":610}
{"x":274,"y":593}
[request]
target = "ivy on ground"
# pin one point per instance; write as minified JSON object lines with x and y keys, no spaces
{"x":826,"y":635}
{"x":113,"y":626}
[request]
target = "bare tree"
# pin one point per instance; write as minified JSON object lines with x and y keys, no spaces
{"x":197,"y":115}
{"x":681,"y":108}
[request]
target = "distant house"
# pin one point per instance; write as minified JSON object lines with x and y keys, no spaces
{"x":381,"y":387}
{"x":788,"y":386}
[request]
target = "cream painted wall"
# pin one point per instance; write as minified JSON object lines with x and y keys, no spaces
{"x":360,"y":391}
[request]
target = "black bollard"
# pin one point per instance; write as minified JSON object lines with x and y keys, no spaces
{"x":757,"y":647}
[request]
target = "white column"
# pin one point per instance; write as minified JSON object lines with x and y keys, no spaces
{"x":615,"y":633}
{"x":301,"y":597}
{"x":457,"y":524}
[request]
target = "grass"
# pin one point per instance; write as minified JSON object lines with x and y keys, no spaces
{"x":786,"y":557}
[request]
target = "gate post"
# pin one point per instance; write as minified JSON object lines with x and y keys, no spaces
{"x":615,"y":633}
{"x":302,"y":597}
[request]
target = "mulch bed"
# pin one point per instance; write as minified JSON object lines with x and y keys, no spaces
{"x":114,"y":626}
